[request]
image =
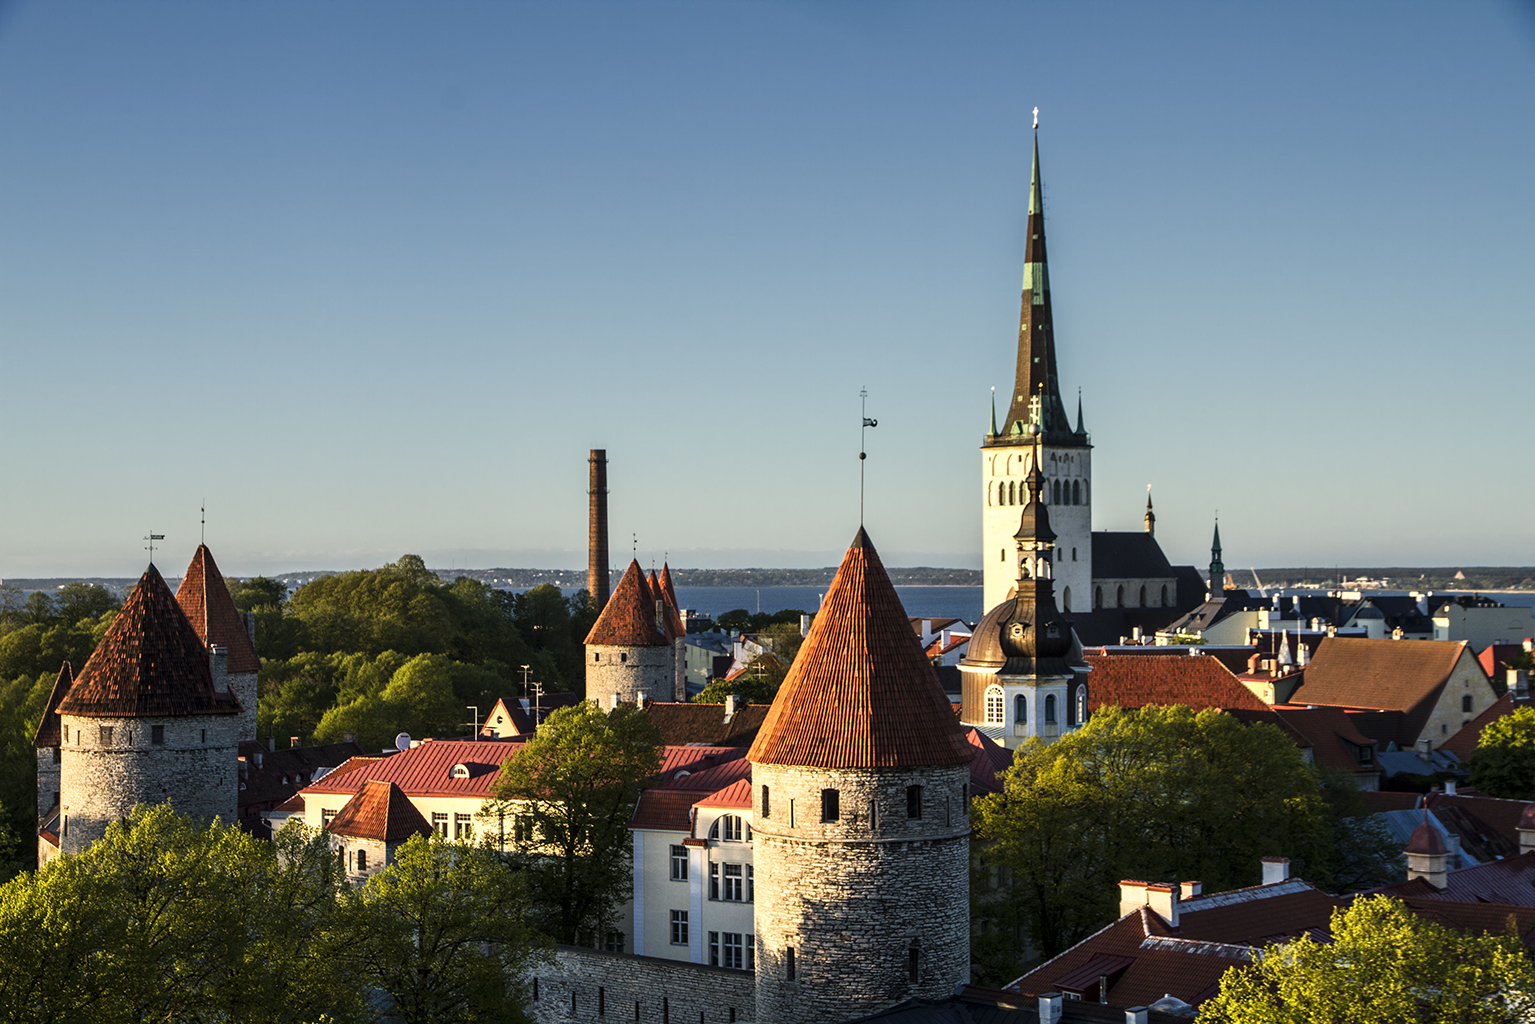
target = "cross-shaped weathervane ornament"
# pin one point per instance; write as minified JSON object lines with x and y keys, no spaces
{"x":152,"y":537}
{"x":1034,"y":409}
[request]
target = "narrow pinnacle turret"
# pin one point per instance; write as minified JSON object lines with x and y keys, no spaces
{"x":1037,"y":373}
{"x":1217,"y":568}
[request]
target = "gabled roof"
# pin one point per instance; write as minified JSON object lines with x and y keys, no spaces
{"x":1463,"y":743}
{"x":629,"y":617}
{"x":861,"y":694}
{"x":1133,"y":681}
{"x":48,"y":733}
{"x":991,"y":760}
{"x":380,"y":811}
{"x":1493,"y":657}
{"x":204,"y":596}
{"x":1510,"y":881}
{"x":1331,"y":733}
{"x":1393,"y":675}
{"x":735,"y":796}
{"x":1122,"y":556}
{"x":705,"y":723}
{"x":150,"y":663}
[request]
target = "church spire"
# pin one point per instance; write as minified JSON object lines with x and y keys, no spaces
{"x":1036,"y":337}
{"x":1151,"y":517}
{"x":1217,"y":567}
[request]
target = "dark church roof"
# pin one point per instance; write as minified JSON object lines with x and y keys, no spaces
{"x":1129,"y":556}
{"x":150,"y":663}
{"x":861,"y":693}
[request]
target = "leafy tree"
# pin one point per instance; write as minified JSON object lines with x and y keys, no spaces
{"x":1153,"y":793}
{"x":257,"y":592}
{"x":1364,"y":853}
{"x":163,"y":920}
{"x":76,"y":601}
{"x":571,"y":789}
{"x":1384,"y":965}
{"x":1503,"y":763}
{"x":756,"y":689}
{"x":441,"y":935}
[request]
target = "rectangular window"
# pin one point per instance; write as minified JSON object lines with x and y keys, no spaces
{"x":613,"y":942}
{"x":157,"y":734}
{"x":522,"y":828}
{"x":463,"y":826}
{"x":679,"y":863}
{"x":914,"y":802}
{"x":66,"y":740}
{"x":733,"y":878}
{"x":362,"y":860}
{"x":735,"y":958}
{"x":788,"y":963}
{"x":679,"y":927}
{"x":751,"y":886}
{"x":714,"y":881}
{"x":764,"y":794}
{"x":106,"y":735}
{"x":830,"y":805}
{"x":732,"y":828}
{"x":714,"y":949}
{"x":325,"y":815}
{"x":440,"y":823}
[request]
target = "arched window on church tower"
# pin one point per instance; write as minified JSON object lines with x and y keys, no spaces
{"x":1020,"y":709}
{"x":1143,"y":597}
{"x":1049,"y":709}
{"x":1097,"y":597}
{"x":1066,"y":600}
{"x":1010,"y":498}
{"x":1076,"y":492}
{"x":994,"y":706}
{"x":1055,"y":493}
{"x":1119,"y":596}
{"x":1164,"y":595}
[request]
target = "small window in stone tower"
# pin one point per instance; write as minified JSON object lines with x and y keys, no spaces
{"x":764,"y":801}
{"x":362,"y":860}
{"x":106,"y":735}
{"x":913,"y":962}
{"x":914,"y":802}
{"x":788,"y":963}
{"x":157,"y":734}
{"x":830,"y":805}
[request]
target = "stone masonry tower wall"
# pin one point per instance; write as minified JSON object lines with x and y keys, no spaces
{"x":627,"y":670}
{"x":108,"y":765}
{"x":875,"y":906}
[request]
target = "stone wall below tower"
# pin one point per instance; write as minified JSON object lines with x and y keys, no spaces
{"x":628,"y":670}
{"x":243,"y":686}
{"x":592,"y":987}
{"x":863,"y":900}
{"x":103,"y":775}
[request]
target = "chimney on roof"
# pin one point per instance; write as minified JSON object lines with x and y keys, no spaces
{"x":1132,"y":896}
{"x":1396,"y":633}
{"x":1163,"y":899}
{"x":293,"y":742}
{"x":1424,"y":746}
{"x":1529,"y":644}
{"x":1449,"y":787}
{"x":616,"y":700}
{"x":1252,"y":664}
{"x":733,"y":704}
{"x":639,"y":698}
{"x":1303,"y":657}
{"x":1275,"y":870}
{"x":218,"y":667}
{"x":1050,"y":1008}
{"x":1135,"y":1015}
{"x":1192,"y":889}
{"x":250,"y":626}
{"x":257,"y":755}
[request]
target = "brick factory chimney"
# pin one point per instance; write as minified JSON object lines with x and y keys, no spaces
{"x":597,"y":529}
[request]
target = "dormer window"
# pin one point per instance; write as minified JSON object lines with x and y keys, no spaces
{"x":460,"y":771}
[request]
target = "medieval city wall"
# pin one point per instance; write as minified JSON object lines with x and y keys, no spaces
{"x":593,"y":987}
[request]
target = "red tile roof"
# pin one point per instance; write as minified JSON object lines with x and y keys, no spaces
{"x":47,"y":734}
{"x":1133,"y":681}
{"x":380,"y":811}
{"x":204,"y":596}
{"x":1493,"y":657}
{"x":425,"y":770}
{"x":1393,"y":675}
{"x":669,"y":810}
{"x":737,"y":795}
{"x":991,"y":760}
{"x":629,"y":617}
{"x":1330,"y":733}
{"x":861,"y":694}
{"x":1463,"y":743}
{"x":1510,"y":881}
{"x":150,"y":663}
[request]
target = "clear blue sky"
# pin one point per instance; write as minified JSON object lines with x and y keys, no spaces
{"x":372,"y":278}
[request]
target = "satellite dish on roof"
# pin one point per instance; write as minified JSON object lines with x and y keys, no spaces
{"x":402,"y":741}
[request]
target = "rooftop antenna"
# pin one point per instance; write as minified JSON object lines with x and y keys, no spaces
{"x":204,"y":536}
{"x":152,"y":537}
{"x":863,"y":407}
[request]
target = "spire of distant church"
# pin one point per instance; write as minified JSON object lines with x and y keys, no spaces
{"x":993,"y":413}
{"x":1217,"y":567}
{"x":1080,"y":429}
{"x":1151,"y":517}
{"x":1036,"y":337}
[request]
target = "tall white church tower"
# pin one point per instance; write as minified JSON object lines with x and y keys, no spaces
{"x":1065,"y":455}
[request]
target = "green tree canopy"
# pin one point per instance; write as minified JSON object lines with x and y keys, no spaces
{"x":1156,"y":793}
{"x":1384,"y":965}
{"x":571,"y":789}
{"x":1503,"y":763}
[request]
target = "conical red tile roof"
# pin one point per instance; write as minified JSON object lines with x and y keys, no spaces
{"x":48,"y":734}
{"x":204,"y":596}
{"x":861,"y":693}
{"x":669,"y":594}
{"x":629,"y":617}
{"x":150,"y":663}
{"x":380,"y":811}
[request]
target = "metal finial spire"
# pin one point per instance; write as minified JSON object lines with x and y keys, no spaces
{"x":152,"y":536}
{"x":1036,"y":119}
{"x":863,"y":409}
{"x":203,"y":538}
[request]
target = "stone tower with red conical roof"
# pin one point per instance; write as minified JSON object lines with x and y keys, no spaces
{"x":204,"y":597}
{"x":679,"y":633}
{"x":631,"y":649}
{"x":145,"y":723}
{"x":861,"y":830}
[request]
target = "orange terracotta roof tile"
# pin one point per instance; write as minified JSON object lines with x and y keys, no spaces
{"x":861,"y":694}
{"x":48,"y":734}
{"x":669,"y":595}
{"x":737,"y":795}
{"x":1134,"y":681}
{"x":204,"y":596}
{"x":380,"y":811}
{"x":669,"y":810}
{"x":150,"y":663}
{"x":629,"y":617}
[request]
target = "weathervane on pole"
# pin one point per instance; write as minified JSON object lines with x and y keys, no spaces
{"x":863,"y":408}
{"x":204,"y":536}
{"x":152,"y":537}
